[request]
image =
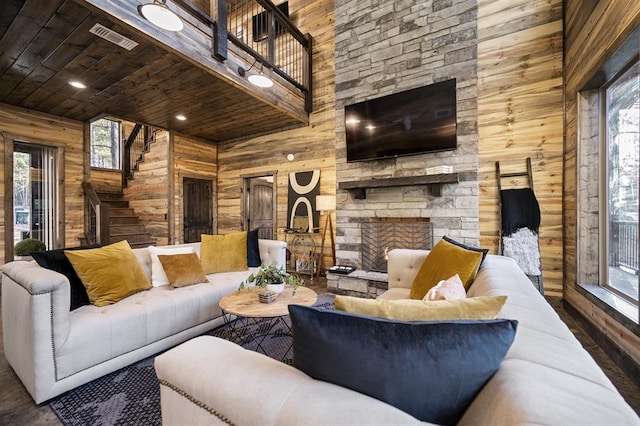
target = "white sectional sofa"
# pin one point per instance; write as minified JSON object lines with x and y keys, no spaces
{"x":546,"y":378}
{"x":53,"y":350}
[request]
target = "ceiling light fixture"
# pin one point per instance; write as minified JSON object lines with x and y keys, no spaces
{"x":181,"y":117}
{"x":259,"y":80}
{"x":159,"y":14}
{"x":77,"y":84}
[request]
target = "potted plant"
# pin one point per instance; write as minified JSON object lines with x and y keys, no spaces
{"x":23,"y":249}
{"x":273,"y":278}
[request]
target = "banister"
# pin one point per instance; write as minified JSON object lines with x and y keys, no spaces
{"x":101,"y":212}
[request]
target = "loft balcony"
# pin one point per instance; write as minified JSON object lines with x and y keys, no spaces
{"x":192,"y":72}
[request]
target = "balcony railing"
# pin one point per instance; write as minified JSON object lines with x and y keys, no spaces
{"x":264,"y":32}
{"x":623,"y":245}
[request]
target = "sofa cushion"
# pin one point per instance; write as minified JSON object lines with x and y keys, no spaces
{"x":57,"y":261}
{"x":476,"y":308}
{"x":464,"y":246}
{"x":158,"y":275}
{"x":253,"y":251}
{"x":109,"y":273}
{"x":430,"y":370}
{"x":224,"y":253}
{"x":443,"y":261}
{"x":182,"y":269}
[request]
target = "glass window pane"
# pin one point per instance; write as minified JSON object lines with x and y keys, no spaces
{"x":105,"y":144}
{"x":623,"y":171}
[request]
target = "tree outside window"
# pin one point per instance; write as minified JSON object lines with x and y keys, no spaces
{"x":105,"y":144}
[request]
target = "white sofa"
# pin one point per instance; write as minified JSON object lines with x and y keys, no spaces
{"x":546,"y":378}
{"x":53,"y":350}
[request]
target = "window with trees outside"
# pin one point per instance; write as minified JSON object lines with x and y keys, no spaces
{"x":106,"y":136}
{"x":622,"y":172}
{"x":608,"y":203}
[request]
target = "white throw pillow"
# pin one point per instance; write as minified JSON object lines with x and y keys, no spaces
{"x":158,"y":277}
{"x":449,"y":289}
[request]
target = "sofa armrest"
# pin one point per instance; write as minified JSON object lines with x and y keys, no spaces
{"x":35,"y":321}
{"x":273,"y":251}
{"x":209,"y":380}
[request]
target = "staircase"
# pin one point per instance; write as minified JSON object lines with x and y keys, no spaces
{"x":124,"y":223}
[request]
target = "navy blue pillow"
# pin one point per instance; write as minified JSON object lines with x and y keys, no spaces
{"x":57,"y":261}
{"x":464,"y":246}
{"x":430,"y":370}
{"x":253,"y":252}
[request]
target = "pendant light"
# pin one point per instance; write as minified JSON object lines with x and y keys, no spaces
{"x":159,"y":14}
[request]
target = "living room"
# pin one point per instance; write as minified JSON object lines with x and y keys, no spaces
{"x":521,"y":71}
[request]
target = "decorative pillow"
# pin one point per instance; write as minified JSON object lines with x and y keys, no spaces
{"x":158,"y":276}
{"x":57,"y":261}
{"x":445,"y":260}
{"x":431,"y":370}
{"x":253,"y":251}
{"x":182,"y":269}
{"x":224,"y":253}
{"x":449,"y":289}
{"x":473,"y":308}
{"x":464,"y":246}
{"x":109,"y":273}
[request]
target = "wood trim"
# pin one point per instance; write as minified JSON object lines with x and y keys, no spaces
{"x":8,"y":201}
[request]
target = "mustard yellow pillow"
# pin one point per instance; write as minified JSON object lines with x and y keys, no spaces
{"x":182,"y":269}
{"x":472,"y":308}
{"x":109,"y":273}
{"x":224,"y":253}
{"x":444,"y":261}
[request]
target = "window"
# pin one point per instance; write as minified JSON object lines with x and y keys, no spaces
{"x":35,"y":194}
{"x":622,"y":173}
{"x":608,"y":203}
{"x":105,"y":144}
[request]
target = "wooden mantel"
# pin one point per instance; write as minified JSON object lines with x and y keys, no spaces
{"x":434,"y":182}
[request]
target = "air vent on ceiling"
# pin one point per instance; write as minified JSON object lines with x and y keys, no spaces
{"x":113,"y":37}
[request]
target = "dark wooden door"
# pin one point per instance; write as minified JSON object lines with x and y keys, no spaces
{"x":260,"y":207}
{"x":198,"y":208}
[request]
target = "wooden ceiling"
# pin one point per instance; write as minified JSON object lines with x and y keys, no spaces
{"x":46,"y":44}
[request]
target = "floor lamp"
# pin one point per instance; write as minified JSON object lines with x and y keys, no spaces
{"x":326,"y":204}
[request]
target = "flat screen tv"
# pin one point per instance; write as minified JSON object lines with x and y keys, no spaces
{"x":415,"y":121}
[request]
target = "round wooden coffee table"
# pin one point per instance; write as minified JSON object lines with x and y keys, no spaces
{"x":250,"y":322}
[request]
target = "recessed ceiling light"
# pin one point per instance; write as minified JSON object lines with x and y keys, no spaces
{"x":77,"y":84}
{"x":181,"y":117}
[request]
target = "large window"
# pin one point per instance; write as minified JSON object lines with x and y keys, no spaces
{"x":608,"y":208}
{"x":35,"y":194}
{"x":622,"y":170}
{"x":106,"y":136}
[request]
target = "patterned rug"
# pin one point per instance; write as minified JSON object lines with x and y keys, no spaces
{"x":131,"y":396}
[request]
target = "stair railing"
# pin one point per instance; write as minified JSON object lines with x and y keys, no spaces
{"x":98,"y":213}
{"x":134,"y":148}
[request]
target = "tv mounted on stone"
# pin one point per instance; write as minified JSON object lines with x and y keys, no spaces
{"x":415,"y":121}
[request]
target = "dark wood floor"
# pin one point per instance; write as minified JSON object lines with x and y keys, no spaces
{"x":17,"y":407}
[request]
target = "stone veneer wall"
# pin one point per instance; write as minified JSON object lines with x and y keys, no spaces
{"x":384,"y":47}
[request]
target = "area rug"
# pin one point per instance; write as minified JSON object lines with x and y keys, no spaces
{"x":131,"y":396}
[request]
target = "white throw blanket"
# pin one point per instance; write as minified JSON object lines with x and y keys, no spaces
{"x":522,"y":246}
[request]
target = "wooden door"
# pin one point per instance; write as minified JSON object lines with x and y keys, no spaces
{"x":260,"y":207}
{"x":198,"y":208}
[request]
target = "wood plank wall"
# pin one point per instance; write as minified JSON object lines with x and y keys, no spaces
{"x":593,"y":31}
{"x":46,"y":130}
{"x":520,"y":115}
{"x":148,"y":191}
{"x":192,"y":158}
{"x":313,"y":146}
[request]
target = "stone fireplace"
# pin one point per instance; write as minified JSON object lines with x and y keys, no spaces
{"x":428,"y":44}
{"x":380,"y":234}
